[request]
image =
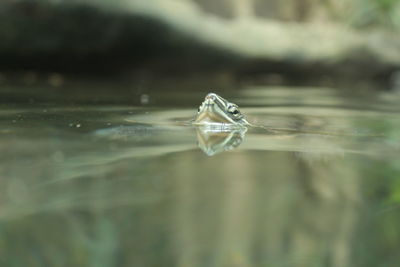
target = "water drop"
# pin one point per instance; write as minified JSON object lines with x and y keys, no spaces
{"x":144,"y":99}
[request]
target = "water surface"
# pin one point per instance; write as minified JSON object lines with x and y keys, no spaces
{"x":128,"y":182}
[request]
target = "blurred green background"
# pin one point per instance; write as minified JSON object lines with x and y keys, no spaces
{"x":271,"y":42}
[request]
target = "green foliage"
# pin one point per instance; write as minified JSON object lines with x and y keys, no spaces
{"x":378,"y":13}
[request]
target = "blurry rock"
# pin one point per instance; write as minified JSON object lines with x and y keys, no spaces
{"x":185,"y":36}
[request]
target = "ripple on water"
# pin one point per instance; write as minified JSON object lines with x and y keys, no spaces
{"x":321,"y":168}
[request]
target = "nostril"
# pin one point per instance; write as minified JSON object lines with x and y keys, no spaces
{"x":210,"y":96}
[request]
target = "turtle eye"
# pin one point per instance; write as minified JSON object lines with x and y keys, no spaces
{"x":234,"y":110}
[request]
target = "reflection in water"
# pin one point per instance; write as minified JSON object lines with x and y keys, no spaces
{"x":215,"y":140}
{"x":112,"y":193}
{"x":266,"y":208}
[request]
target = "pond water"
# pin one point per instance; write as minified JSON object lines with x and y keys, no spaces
{"x":124,"y":180}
